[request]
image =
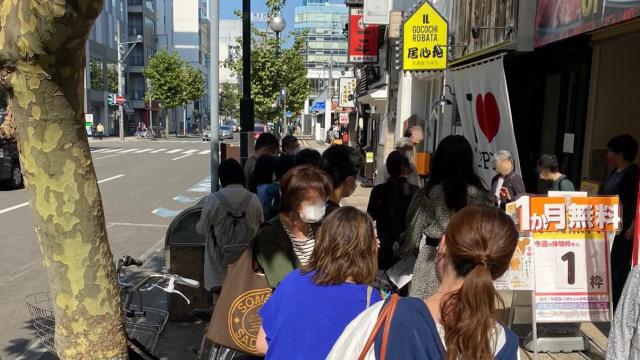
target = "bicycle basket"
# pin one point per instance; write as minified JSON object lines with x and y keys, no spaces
{"x":146,"y":329}
{"x":42,"y":318}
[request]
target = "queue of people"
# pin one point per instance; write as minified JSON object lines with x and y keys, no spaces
{"x":322,"y":260}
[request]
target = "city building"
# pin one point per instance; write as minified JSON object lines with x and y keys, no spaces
{"x":326,"y":51}
{"x":101,"y":74}
{"x":141,"y":21}
{"x":558,"y":90}
{"x":191,"y":41}
{"x":230,"y":31}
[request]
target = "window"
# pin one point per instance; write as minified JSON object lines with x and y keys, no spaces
{"x":136,"y":58}
{"x":137,"y":87}
{"x":134,"y":2}
{"x":135,"y":25}
{"x":149,"y":52}
{"x":149,"y":24}
{"x":96,"y":73}
{"x":112,"y":78}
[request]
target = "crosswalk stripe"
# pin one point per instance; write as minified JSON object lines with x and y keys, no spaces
{"x":111,"y":150}
{"x":127,"y":151}
{"x":99,"y":150}
{"x":157,"y":151}
{"x":189,"y":151}
{"x":142,"y":151}
{"x":174,"y":151}
{"x":204,"y":152}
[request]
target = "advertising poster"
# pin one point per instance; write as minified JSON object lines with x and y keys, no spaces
{"x":363,"y":39}
{"x":561,"y":19}
{"x":347,"y":87}
{"x":572,"y":277}
{"x":520,"y":275}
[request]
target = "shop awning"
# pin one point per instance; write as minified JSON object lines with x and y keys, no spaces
{"x":374,"y":96}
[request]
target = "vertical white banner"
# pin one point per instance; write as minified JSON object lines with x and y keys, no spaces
{"x":483,"y":102}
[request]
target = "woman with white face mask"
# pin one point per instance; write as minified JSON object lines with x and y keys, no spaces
{"x":286,"y":242}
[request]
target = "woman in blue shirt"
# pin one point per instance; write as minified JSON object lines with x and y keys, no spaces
{"x":311,"y":307}
{"x":457,"y":322}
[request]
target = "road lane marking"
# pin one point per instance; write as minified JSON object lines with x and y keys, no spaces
{"x":142,"y":151}
{"x":99,"y":150}
{"x":111,"y":178}
{"x":141,"y":225}
{"x":174,"y":151}
{"x":189,"y":151}
{"x":15,"y":207}
{"x":203,"y":186}
{"x":157,"y":151}
{"x":184,"y":199}
{"x":204,"y":152}
{"x":181,"y":157}
{"x":111,"y":150}
{"x":108,"y":156}
{"x":127,"y":151}
{"x":165,"y":213}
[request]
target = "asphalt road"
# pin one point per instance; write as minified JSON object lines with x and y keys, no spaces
{"x":144,"y":183}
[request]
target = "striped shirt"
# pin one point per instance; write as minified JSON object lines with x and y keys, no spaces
{"x":303,"y":248}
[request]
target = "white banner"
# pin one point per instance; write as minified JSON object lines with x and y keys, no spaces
{"x":483,"y":102}
{"x":347,"y":87}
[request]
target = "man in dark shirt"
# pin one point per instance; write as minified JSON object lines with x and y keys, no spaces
{"x":342,"y":163}
{"x":548,"y":170}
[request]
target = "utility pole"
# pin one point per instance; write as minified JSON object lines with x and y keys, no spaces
{"x":214,"y":94}
{"x":246,"y":103}
{"x":120,"y":82}
{"x":329,"y":100}
{"x":284,"y":110}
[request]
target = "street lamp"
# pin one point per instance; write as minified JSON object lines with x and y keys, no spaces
{"x":277,"y":24}
{"x":124,"y":49}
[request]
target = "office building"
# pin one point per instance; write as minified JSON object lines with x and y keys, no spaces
{"x":101,"y":74}
{"x":191,"y":41}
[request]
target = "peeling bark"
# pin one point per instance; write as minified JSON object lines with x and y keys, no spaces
{"x":42,"y":57}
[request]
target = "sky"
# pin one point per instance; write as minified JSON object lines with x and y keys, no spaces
{"x":227,"y":8}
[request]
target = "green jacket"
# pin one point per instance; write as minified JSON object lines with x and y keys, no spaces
{"x":274,"y":252}
{"x":562,"y":184}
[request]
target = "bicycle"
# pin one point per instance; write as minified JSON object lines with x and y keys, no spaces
{"x":142,"y":324}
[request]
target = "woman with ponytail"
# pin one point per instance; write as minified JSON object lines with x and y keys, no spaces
{"x":457,"y":322}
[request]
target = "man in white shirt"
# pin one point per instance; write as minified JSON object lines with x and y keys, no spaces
{"x":233,"y":204}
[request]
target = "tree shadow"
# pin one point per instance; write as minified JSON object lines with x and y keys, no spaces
{"x":19,"y":346}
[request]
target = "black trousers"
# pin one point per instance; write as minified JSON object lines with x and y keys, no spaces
{"x":620,"y":265}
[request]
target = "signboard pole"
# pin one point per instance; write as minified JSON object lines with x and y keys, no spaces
{"x":534,"y":323}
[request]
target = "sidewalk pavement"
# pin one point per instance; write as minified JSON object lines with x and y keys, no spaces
{"x":178,"y":337}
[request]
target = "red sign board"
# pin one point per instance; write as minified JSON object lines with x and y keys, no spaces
{"x":120,"y":99}
{"x":561,"y":19}
{"x":363,"y":39}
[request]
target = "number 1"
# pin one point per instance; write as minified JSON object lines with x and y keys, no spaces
{"x":570,"y":258}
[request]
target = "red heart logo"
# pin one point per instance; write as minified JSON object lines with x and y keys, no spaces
{"x":488,"y":115}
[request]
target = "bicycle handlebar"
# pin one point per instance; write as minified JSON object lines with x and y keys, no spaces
{"x":188,"y":282}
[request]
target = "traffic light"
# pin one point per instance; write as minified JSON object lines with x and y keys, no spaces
{"x":111,"y":100}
